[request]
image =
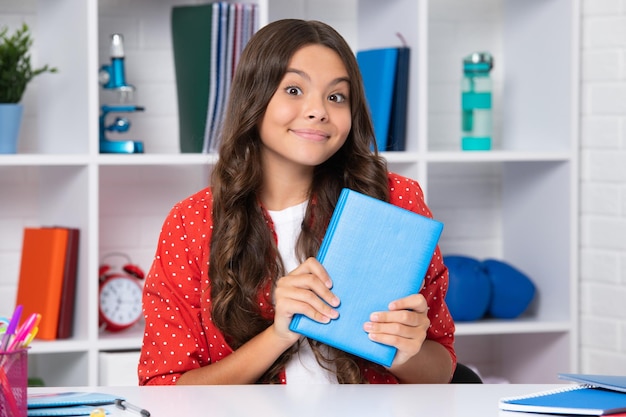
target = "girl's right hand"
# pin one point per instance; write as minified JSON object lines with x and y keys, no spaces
{"x":306,"y":291}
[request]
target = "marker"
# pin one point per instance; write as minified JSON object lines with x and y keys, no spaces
{"x":24,"y":330}
{"x":30,"y":336}
{"x":15,"y":319}
{"x":125,"y":405}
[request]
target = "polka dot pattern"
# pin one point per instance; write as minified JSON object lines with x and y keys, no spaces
{"x":179,"y":333}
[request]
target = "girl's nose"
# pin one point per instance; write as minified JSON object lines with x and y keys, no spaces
{"x":316,"y":110}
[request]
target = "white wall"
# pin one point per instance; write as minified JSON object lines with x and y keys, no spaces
{"x":603,"y":187}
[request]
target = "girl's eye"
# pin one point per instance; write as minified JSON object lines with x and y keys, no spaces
{"x":337,"y":98}
{"x":294,"y":91}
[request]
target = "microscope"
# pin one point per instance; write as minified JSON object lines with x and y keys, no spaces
{"x":112,"y":77}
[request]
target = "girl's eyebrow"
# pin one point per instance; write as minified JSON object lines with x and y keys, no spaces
{"x":306,"y":76}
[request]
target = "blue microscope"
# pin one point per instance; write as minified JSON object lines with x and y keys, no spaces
{"x":112,"y":77}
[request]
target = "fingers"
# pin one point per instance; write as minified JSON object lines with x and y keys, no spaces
{"x":403,"y":326}
{"x":415,"y":302}
{"x":306,"y":290}
{"x":305,"y":294}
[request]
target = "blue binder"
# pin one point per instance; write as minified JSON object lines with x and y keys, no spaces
{"x":378,"y":69}
{"x":385,"y":73}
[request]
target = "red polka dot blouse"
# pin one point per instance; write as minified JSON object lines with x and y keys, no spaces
{"x":179,"y":333}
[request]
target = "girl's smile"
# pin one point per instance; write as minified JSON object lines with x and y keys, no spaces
{"x":311,"y":134}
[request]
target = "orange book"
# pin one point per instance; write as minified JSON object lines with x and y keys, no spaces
{"x":42,"y":270}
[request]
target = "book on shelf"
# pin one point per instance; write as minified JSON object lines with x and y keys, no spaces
{"x":385,"y":73}
{"x":47,"y":278}
{"x":396,"y":140}
{"x":594,"y":395}
{"x":191,"y":24}
{"x":207,"y":42}
{"x":375,"y":253}
{"x":68,"y":290}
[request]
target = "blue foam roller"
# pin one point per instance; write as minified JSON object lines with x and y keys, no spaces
{"x":469,"y":289}
{"x":512,"y":290}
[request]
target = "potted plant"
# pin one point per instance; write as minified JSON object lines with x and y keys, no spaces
{"x":15,"y":74}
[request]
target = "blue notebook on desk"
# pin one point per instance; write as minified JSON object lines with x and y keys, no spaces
{"x":596,"y":395}
{"x":67,"y":403}
{"x":375,"y":253}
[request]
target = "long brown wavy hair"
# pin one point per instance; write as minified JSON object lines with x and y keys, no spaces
{"x":244,"y":260}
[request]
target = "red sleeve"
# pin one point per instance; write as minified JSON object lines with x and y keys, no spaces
{"x":407,"y":193}
{"x":175,"y":300}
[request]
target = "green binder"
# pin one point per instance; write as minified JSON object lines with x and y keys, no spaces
{"x":191,"y":40}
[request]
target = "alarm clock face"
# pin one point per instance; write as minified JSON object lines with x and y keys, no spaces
{"x":120,"y":302}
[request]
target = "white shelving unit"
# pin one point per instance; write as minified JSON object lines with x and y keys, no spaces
{"x":526,"y":212}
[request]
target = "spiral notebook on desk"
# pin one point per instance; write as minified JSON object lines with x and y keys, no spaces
{"x":596,"y":395}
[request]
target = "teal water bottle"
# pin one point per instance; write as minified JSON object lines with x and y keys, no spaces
{"x":477,"y":118}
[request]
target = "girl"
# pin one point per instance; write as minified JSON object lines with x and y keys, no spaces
{"x":235,"y":261}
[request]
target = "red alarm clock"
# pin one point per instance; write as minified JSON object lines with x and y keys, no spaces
{"x":119,"y":298}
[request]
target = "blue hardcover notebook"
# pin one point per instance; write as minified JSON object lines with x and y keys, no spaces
{"x":378,"y":70}
{"x":612,"y":382}
{"x":375,"y":253}
{"x":581,"y":399}
{"x":67,"y":403}
{"x":75,"y":410}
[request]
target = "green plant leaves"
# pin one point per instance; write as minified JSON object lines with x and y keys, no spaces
{"x":15,"y":66}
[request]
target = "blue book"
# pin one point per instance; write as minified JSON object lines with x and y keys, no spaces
{"x":396,"y":139}
{"x":612,"y":382}
{"x":70,"y":398}
{"x":375,"y":253}
{"x":378,"y":70}
{"x":596,"y":395}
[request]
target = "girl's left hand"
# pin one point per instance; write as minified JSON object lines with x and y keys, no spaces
{"x":403,"y":326}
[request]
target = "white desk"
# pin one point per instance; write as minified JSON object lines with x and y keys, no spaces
{"x":453,"y":400}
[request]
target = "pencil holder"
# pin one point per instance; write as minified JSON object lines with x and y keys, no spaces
{"x":13,"y":383}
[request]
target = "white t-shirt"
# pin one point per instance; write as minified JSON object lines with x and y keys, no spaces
{"x":303,"y":367}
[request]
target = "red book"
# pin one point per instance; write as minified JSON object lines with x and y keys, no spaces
{"x":68,"y":291}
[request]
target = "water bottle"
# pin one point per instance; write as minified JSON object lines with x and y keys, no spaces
{"x":477,"y":121}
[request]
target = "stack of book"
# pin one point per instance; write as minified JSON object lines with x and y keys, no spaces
{"x":207,"y":40}
{"x":47,"y":280}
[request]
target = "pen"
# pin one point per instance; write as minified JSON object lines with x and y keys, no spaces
{"x":22,"y":333}
{"x":15,"y":319}
{"x":125,"y":405}
{"x":30,"y":337}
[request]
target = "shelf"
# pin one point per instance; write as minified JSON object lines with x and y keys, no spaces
{"x":517,"y":326}
{"x":211,"y":159}
{"x":516,"y":202}
{"x":125,"y":340}
{"x":156,"y":159}
{"x":498,"y":156}
{"x":58,"y":346}
{"x":38,"y":160}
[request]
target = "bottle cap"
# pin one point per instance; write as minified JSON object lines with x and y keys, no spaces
{"x":478,"y":62}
